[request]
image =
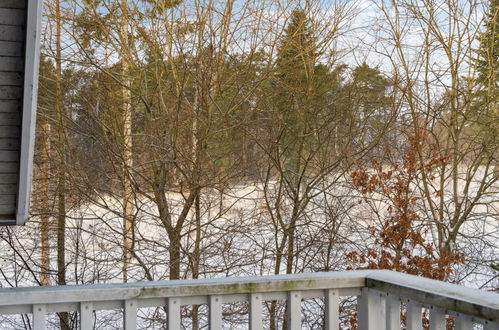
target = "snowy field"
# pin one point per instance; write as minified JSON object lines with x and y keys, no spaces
{"x":238,"y":238}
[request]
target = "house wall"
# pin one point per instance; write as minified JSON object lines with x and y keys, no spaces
{"x":12,"y":49}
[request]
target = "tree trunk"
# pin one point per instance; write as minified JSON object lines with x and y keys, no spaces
{"x":61,"y":182}
{"x":44,"y":207}
{"x":196,"y":256}
{"x":128,"y":229}
{"x":174,"y":251}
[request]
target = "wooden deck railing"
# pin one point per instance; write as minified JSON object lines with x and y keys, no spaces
{"x":381,"y":297}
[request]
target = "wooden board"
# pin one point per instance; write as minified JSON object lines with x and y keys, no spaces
{"x":19,"y":52}
{"x":20,"y":4}
{"x":8,"y":189}
{"x":10,"y":119}
{"x":10,"y":106}
{"x":9,"y":156}
{"x":8,"y":178}
{"x":9,"y":132}
{"x":9,"y":167}
{"x":7,"y":208}
{"x":11,"y":79}
{"x":12,"y":33}
{"x":8,"y":199}
{"x":10,"y":16}
{"x":11,"y":92}
{"x":11,"y":48}
{"x":15,"y":64}
{"x":9,"y":144}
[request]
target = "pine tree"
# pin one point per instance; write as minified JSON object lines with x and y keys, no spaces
{"x":369,"y":104}
{"x":301,"y":88}
{"x":296,"y":61}
{"x":487,"y":83}
{"x":488,"y":56}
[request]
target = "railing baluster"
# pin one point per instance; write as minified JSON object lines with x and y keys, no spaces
{"x":369,"y":310}
{"x":39,"y":312}
{"x":86,"y":319}
{"x":294,"y":310}
{"x":414,"y":317}
{"x":392,"y":312}
{"x":173,"y":313}
{"x":215,"y":305}
{"x":377,"y":307}
{"x":130,"y":311}
{"x":255,"y":313}
{"x":437,"y":319}
{"x":463,"y":322}
{"x":332,"y":309}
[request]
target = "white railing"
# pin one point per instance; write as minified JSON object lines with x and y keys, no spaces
{"x":382,"y":295}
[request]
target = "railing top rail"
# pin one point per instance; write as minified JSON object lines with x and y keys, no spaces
{"x":181,"y":288}
{"x":473,"y":302}
{"x":449,"y":296}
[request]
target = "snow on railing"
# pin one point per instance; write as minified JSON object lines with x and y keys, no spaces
{"x":382,"y":295}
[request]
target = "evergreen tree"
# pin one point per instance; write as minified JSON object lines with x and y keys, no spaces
{"x":488,"y":56}
{"x":369,"y":104}
{"x":302,"y":87}
{"x":486,"y":96}
{"x":295,"y":71}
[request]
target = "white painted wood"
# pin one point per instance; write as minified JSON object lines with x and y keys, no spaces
{"x":463,"y":322}
{"x":370,"y":310}
{"x":183,"y":288}
{"x":194,"y":300}
{"x":414,"y":317}
{"x":39,"y":312}
{"x":332,"y":312}
{"x":436,"y":293}
{"x":392,"y":312}
{"x":130,"y":314}
{"x":30,"y":97}
{"x":490,"y":325}
{"x":215,"y":312}
{"x":255,"y":311}
{"x":294,"y":310}
{"x":437,"y":319}
{"x":111,"y":296}
{"x":233,"y":298}
{"x":173,"y":316}
{"x":86,"y":316}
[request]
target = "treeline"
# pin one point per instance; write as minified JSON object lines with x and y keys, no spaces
{"x":200,"y":138}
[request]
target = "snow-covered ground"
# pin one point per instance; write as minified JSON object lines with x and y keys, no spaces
{"x":238,"y":238}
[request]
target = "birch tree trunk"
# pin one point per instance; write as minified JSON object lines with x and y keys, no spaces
{"x":127,"y":147}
